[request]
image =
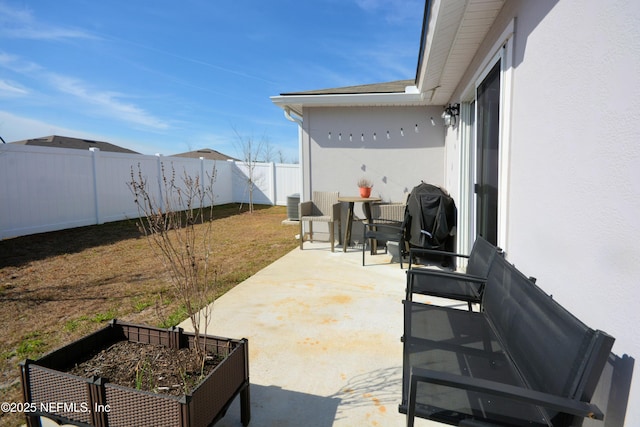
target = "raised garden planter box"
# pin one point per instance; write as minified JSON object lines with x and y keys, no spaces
{"x":94,"y":401}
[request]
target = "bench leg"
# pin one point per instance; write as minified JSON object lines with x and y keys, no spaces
{"x":411,"y":401}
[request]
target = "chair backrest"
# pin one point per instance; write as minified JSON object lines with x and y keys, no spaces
{"x":323,"y":202}
{"x":553,"y":350}
{"x":481,"y":257}
{"x":393,"y":212}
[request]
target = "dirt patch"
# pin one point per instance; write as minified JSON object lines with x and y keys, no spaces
{"x":147,"y":367}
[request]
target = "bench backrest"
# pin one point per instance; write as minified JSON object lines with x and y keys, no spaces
{"x":553,"y":350}
{"x":480,"y":257}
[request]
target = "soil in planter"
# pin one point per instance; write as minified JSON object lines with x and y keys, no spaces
{"x":147,"y":367}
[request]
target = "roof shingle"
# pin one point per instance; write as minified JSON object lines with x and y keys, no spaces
{"x":397,"y":86}
{"x":57,"y":141}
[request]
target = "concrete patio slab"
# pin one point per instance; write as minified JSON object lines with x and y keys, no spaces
{"x":324,"y":339}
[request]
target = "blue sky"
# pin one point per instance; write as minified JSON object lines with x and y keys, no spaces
{"x":160,"y":76}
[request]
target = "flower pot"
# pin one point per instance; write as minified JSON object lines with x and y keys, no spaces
{"x":365,"y":192}
{"x":67,"y":398}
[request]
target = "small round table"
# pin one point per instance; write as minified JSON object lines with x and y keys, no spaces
{"x":366,"y":204}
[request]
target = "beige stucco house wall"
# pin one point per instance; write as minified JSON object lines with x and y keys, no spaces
{"x":342,"y":144}
{"x":568,"y":162}
{"x":569,"y":156}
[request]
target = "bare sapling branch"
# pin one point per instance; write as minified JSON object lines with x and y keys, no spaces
{"x":176,"y":217}
{"x":252,"y":151}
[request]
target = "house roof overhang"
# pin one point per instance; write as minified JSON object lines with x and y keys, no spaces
{"x":398,"y":93}
{"x":452,"y":32}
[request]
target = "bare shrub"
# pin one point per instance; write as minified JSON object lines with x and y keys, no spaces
{"x":252,"y":150}
{"x":176,"y":218}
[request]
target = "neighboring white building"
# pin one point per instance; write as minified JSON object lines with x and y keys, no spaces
{"x":544,"y":158}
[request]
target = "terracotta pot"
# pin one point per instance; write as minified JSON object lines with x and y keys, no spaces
{"x":96,"y":402}
{"x":365,"y":192}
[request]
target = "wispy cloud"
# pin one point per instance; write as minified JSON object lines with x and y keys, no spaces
{"x":20,"y":23}
{"x":356,"y":63}
{"x":237,"y":72}
{"x":12,"y":128}
{"x":387,"y":61}
{"x":395,"y":11}
{"x":17,"y":64}
{"x":11,"y":89}
{"x":110,"y":103}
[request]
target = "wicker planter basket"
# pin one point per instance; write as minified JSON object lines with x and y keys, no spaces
{"x":95,"y":402}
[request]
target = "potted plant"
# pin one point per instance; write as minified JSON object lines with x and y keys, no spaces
{"x":212,"y":371}
{"x":365,"y":186}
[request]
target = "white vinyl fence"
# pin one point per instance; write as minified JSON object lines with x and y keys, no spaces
{"x":45,"y":189}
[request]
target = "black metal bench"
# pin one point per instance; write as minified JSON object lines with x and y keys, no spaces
{"x":466,"y":286}
{"x":522,"y":360}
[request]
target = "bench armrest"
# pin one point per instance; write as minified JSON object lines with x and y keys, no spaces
{"x":460,"y":283}
{"x":554,"y":402}
{"x":475,"y":423}
{"x":453,"y":275}
{"x":414,"y":252}
{"x":436,"y":252}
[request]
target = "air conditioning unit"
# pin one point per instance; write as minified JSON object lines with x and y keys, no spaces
{"x":292,"y":207}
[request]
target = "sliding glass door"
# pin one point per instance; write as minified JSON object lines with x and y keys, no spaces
{"x":487,"y":137}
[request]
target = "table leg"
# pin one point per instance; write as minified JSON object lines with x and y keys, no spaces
{"x":347,"y":232}
{"x":367,"y":214}
{"x":367,"y":211}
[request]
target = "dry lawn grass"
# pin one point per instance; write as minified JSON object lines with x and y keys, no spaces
{"x":56,"y":287}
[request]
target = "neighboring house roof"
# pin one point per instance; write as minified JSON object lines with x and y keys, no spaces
{"x":56,"y":141}
{"x":207,"y":153}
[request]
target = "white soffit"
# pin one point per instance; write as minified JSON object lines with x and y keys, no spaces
{"x":410,"y":97}
{"x":455,"y":31}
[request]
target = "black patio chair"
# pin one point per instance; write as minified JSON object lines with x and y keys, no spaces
{"x":460,"y":286}
{"x":388,"y":226}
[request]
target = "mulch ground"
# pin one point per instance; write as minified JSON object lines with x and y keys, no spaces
{"x":147,"y":367}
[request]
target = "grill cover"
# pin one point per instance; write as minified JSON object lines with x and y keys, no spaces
{"x":430,"y":218}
